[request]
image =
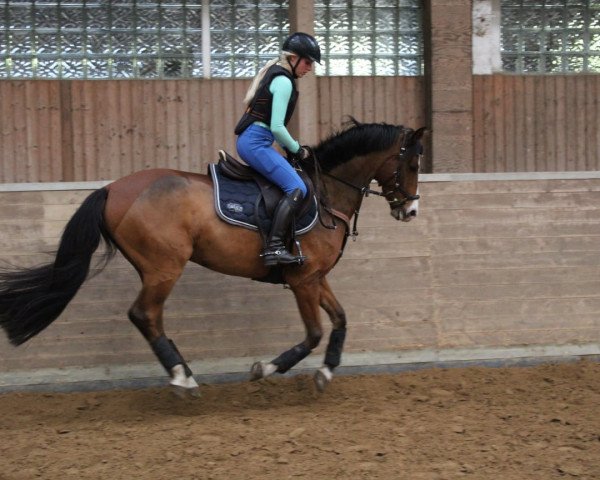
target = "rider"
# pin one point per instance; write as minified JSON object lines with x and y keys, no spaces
{"x":270,"y":103}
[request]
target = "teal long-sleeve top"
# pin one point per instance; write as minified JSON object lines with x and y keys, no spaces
{"x":281,"y":89}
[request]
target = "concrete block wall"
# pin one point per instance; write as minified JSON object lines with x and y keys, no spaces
{"x":495,"y":266}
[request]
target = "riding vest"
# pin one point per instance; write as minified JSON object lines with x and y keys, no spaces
{"x":260,"y":107}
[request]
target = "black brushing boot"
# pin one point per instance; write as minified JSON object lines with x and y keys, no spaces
{"x":275,"y":253}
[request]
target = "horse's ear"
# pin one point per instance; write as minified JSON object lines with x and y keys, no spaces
{"x":416,"y":136}
{"x":419,"y":133}
{"x":355,"y":121}
{"x":351,"y":122}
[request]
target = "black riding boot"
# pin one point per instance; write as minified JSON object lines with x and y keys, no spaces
{"x":275,"y":253}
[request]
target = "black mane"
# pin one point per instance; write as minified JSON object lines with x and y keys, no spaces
{"x":358,"y":139}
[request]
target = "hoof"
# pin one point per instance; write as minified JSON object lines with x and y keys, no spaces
{"x":322,"y":379}
{"x":256,"y":372}
{"x":182,"y":385}
{"x":261,"y":370}
{"x":184,"y":392}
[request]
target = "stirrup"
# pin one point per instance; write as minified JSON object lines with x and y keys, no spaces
{"x":280,"y":256}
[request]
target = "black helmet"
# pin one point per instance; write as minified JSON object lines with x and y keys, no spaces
{"x":303,"y":45}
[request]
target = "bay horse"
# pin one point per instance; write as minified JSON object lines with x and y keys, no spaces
{"x":160,"y":219}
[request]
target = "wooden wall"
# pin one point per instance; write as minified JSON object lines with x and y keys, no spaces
{"x":102,"y":130}
{"x":536,"y":123}
{"x":399,"y":100}
{"x":488,"y":263}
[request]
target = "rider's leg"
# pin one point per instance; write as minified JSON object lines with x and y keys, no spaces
{"x":254,"y":146}
{"x":275,"y":252}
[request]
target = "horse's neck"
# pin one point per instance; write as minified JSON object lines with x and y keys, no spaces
{"x":341,"y":197}
{"x":358,"y":172}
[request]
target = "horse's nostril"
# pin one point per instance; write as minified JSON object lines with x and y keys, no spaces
{"x":412,"y":213}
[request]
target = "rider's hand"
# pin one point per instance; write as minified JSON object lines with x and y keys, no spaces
{"x":302,"y":154}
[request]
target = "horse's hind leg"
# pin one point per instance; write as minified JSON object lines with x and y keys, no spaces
{"x":146,"y":313}
{"x":307,"y":298}
{"x":333,"y":354}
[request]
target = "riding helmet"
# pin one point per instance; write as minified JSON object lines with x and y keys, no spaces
{"x":303,"y":45}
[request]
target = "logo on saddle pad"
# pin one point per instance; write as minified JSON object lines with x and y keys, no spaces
{"x":234,"y":207}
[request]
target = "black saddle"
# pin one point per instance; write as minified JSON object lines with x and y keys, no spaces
{"x":245,"y":198}
{"x":234,"y":169}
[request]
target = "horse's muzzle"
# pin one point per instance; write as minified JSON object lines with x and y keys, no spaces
{"x":406,"y":215}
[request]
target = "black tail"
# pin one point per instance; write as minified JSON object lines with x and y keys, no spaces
{"x":32,"y":298}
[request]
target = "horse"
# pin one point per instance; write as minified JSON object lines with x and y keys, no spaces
{"x":160,"y":219}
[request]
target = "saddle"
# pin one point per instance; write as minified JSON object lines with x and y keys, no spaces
{"x":243,"y":197}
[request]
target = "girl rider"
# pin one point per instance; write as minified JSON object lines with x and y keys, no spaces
{"x":270,"y":103}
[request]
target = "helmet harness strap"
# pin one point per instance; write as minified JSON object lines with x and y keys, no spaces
{"x":294,"y":66}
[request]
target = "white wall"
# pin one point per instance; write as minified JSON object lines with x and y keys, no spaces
{"x":486,"y":37}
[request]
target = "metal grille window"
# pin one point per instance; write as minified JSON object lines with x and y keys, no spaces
{"x":113,"y":39}
{"x":370,"y":37}
{"x":551,"y":36}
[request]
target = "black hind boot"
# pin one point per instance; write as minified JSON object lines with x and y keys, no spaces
{"x":275,"y":253}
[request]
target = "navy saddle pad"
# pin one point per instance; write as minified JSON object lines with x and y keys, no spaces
{"x":235,"y":203}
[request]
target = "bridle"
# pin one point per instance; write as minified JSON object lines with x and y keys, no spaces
{"x":397,"y":175}
{"x":406,"y":197}
{"x":365,"y":191}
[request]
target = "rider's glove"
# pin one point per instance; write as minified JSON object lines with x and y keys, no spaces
{"x":301,"y":154}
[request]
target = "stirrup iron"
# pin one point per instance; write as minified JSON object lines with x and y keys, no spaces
{"x":281,"y":256}
{"x":301,"y":257}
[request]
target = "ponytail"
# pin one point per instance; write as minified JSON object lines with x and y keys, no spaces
{"x":261,"y":73}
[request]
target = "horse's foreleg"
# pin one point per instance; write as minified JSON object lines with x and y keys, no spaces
{"x":337,"y":337}
{"x":307,"y":298}
{"x":146,"y":313}
{"x":182,"y":378}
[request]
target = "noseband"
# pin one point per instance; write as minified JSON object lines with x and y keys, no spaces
{"x":406,"y":197}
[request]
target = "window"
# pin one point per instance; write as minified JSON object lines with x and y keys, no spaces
{"x":551,"y":36}
{"x":100,"y":39}
{"x":112,"y":39}
{"x":245,"y":35}
{"x":370,"y":37}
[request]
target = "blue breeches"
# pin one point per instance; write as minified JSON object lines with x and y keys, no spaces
{"x":254,"y":145}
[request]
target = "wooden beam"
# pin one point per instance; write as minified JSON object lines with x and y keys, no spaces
{"x":449,"y":84}
{"x":304,"y":124}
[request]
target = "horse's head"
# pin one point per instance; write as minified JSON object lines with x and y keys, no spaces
{"x":399,"y":176}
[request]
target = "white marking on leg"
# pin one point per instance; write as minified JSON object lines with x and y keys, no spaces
{"x":262,"y":370}
{"x":179,"y":379}
{"x":269,"y":369}
{"x":327,"y":373}
{"x":322,"y":378}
